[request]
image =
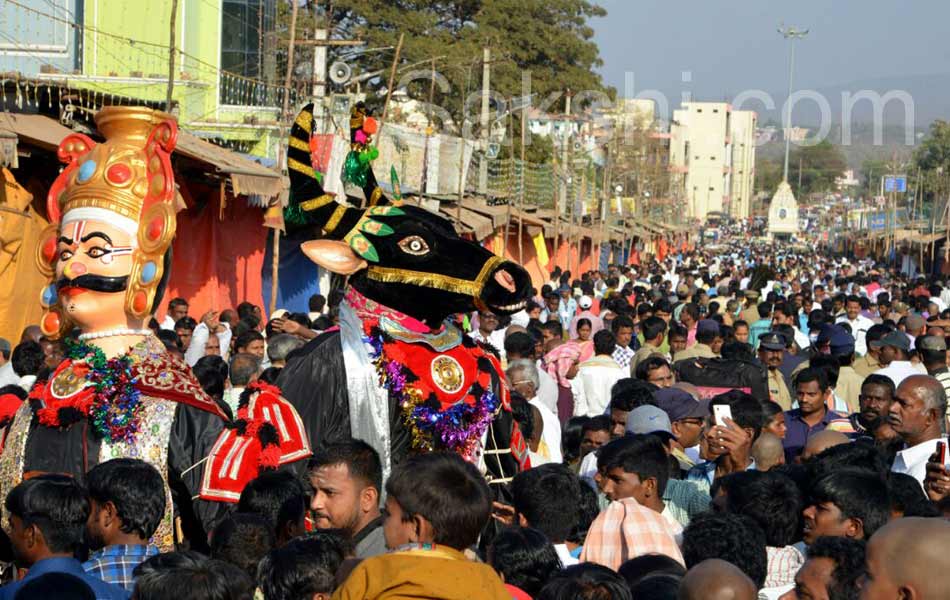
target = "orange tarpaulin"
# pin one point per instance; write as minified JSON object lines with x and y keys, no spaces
{"x":21,"y":222}
{"x":218,"y":254}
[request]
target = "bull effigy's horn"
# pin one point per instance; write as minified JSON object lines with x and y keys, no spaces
{"x":310,"y":204}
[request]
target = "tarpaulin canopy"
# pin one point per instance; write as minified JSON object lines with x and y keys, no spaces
{"x":41,"y":131}
{"x":247,"y":177}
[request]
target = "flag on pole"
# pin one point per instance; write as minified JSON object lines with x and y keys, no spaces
{"x":541,"y":249}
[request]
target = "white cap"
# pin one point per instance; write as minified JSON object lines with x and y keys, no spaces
{"x":585,"y":302}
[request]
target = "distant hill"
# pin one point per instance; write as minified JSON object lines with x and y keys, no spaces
{"x":930,"y":95}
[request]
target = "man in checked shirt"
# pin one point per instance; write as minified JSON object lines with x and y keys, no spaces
{"x":127,"y":498}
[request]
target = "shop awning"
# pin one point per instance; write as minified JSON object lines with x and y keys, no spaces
{"x":38,"y":130}
{"x":247,"y":177}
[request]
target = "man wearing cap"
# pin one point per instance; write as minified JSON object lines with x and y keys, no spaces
{"x":895,"y":351}
{"x":834,"y":340}
{"x":933,"y":354}
{"x":707,"y":331}
{"x":771,"y":352}
{"x":859,"y":323}
{"x":870,"y":362}
{"x":686,"y":415}
{"x":681,"y":500}
{"x":596,"y":323}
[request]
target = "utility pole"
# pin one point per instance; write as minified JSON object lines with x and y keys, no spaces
{"x":483,"y":121}
{"x":565,"y":144}
{"x":791,"y":34}
{"x":282,"y":151}
{"x":524,"y":118}
{"x":321,"y":33}
{"x":171,"y":58}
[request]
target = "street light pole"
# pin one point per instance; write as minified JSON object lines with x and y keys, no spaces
{"x":791,"y":34}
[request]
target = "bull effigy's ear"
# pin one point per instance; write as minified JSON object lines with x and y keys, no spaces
{"x":309,"y":202}
{"x":334,"y":256}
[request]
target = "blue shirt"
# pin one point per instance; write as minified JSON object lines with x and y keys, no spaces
{"x":704,"y":474}
{"x":102,"y":590}
{"x":797,"y":431}
{"x":114,"y":564}
{"x":760,"y":327}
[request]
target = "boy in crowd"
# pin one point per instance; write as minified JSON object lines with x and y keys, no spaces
{"x":304,"y":569}
{"x":47,"y":517}
{"x":436,"y":507}
{"x":279,"y":497}
{"x":127,"y":503}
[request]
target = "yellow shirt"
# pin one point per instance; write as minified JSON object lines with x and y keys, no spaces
{"x":441,"y":573}
{"x":778,"y":391}
{"x":865,"y":365}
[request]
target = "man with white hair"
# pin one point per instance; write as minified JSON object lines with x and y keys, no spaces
{"x":523,"y":378}
{"x":917,"y":415}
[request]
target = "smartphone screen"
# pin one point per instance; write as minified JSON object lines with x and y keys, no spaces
{"x":722,"y":412}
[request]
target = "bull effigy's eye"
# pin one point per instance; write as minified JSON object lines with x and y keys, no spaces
{"x":414,"y":245}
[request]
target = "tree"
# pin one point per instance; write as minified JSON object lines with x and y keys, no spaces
{"x":551,"y":39}
{"x":934,"y":151}
{"x":768,"y":174}
{"x":819,"y":166}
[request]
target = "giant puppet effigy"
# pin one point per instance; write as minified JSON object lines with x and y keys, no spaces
{"x":119,"y":393}
{"x":399,"y":373}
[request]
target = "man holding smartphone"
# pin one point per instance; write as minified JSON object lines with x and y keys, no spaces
{"x":726,"y":440}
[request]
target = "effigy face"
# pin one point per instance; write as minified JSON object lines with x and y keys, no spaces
{"x":93,"y":265}
{"x":112,"y":211}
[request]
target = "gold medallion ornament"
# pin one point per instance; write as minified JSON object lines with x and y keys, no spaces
{"x":67,"y":383}
{"x":447,"y":374}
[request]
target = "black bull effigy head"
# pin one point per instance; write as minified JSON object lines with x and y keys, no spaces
{"x":402,"y":256}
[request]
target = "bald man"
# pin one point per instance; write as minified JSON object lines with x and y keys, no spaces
{"x":907,"y":558}
{"x":767,"y":451}
{"x":918,"y":416}
{"x":821,"y":441}
{"x":716,"y":579}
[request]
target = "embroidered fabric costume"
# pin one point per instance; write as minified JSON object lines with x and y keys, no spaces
{"x":266,"y":434}
{"x":112,"y":220}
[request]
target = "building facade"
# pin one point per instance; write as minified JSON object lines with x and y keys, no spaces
{"x":712,"y":156}
{"x":226,"y":87}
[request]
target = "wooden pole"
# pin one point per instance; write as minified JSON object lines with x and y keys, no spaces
{"x":391,"y":82}
{"x":510,"y":178}
{"x":424,"y":177}
{"x":275,"y":259}
{"x":171,"y":58}
{"x":524,"y":114}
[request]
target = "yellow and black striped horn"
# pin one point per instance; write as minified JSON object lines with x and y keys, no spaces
{"x":309,"y":203}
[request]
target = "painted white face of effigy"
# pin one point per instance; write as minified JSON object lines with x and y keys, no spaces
{"x":93,"y":264}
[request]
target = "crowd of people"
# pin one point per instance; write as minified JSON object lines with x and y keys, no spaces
{"x":740,"y":424}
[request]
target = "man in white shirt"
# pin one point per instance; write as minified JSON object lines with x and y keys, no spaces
{"x":596,"y":377}
{"x":520,"y":344}
{"x":523,"y":378}
{"x":177,"y":309}
{"x":859,"y":323}
{"x":243,"y":370}
{"x":895,"y":349}
{"x":917,"y":415}
{"x":198,"y":346}
{"x":488,"y":332}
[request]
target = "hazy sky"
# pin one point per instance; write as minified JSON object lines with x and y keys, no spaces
{"x":732,"y":45}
